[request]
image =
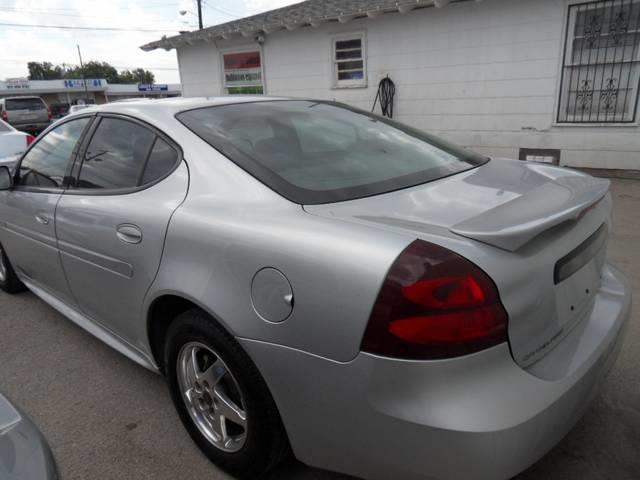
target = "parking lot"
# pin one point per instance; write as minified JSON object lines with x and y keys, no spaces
{"x":107,"y":418}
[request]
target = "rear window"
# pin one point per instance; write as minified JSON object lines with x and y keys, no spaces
{"x":24,"y":104}
{"x":321,"y":152}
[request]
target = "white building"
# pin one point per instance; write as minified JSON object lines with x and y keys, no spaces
{"x":515,"y":78}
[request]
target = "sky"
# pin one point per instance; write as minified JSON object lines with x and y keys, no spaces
{"x":142,"y":21}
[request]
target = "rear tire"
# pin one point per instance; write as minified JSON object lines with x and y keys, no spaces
{"x":9,"y":281}
{"x":221,"y":397}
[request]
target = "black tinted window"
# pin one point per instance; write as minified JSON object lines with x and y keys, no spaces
{"x":116,"y":155}
{"x":46,"y":163}
{"x":25,"y":104}
{"x":321,"y":152}
{"x":161,"y":161}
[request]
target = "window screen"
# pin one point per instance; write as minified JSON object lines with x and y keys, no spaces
{"x":116,"y":155}
{"x":46,"y":163}
{"x":349,"y":68}
{"x":601,"y":63}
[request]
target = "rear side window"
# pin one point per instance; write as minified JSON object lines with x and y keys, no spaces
{"x":25,"y":104}
{"x":162,"y":159}
{"x":46,"y":163}
{"x":124,"y":155}
{"x":321,"y":152}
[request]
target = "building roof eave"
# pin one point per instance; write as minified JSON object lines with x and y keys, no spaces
{"x":308,"y":13}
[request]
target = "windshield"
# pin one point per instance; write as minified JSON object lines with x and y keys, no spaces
{"x":320,"y":152}
{"x":25,"y":104}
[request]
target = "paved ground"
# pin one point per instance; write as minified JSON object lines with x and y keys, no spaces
{"x":107,"y":418}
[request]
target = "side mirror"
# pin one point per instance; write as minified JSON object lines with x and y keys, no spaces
{"x":6,"y":180}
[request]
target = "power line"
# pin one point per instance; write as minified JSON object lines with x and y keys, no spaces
{"x":49,"y":12}
{"x":221,"y":10}
{"x":72,"y":27}
{"x":43,"y":12}
{"x":72,"y":9}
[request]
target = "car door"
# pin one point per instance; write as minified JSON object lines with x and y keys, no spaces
{"x":27,"y":212}
{"x":128,"y":180}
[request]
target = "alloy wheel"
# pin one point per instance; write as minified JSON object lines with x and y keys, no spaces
{"x":212,"y":397}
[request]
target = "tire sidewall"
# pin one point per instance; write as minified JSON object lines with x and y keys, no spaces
{"x":11,"y":282}
{"x":253,"y":457}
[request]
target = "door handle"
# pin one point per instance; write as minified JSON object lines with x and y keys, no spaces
{"x":129,"y":233}
{"x":42,"y":218}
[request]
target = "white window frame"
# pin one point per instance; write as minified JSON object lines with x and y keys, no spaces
{"x":242,"y":49}
{"x":360,"y":83}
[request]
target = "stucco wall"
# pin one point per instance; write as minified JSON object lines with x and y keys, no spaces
{"x":484,"y":75}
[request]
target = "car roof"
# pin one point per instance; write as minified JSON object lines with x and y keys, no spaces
{"x":21,"y":97}
{"x":176,"y":104}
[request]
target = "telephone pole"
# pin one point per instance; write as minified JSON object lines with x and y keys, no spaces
{"x":84,"y":80}
{"x":200,"y":13}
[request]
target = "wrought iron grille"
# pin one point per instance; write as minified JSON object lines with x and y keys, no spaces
{"x":601,"y":68}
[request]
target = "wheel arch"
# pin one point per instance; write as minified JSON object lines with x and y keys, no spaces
{"x":162,"y":310}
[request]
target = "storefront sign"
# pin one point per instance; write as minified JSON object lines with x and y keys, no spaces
{"x":242,"y":69}
{"x":153,"y":87}
{"x":79,"y":83}
{"x":17,"y":83}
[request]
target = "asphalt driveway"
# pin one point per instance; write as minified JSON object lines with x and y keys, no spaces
{"x":106,"y":418}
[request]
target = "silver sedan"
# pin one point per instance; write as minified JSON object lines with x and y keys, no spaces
{"x":24,"y":453}
{"x":313,"y":278}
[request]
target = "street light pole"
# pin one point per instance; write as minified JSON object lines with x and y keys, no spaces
{"x":200,"y":13}
{"x":84,"y":80}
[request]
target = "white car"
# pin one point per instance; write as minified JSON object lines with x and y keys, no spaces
{"x":77,"y":108}
{"x":13,"y":143}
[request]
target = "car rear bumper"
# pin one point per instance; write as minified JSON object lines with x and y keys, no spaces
{"x":30,"y":126}
{"x":480,"y":416}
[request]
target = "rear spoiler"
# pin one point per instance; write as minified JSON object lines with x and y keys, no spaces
{"x":513,"y":224}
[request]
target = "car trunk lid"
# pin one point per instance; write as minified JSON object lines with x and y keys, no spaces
{"x":515,"y":223}
{"x":533,"y":217}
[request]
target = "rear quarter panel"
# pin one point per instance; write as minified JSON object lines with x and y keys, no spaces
{"x":231,"y":226}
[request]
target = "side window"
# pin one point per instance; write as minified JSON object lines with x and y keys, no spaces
{"x":162,"y":159}
{"x":116,"y":155}
{"x":46,"y":163}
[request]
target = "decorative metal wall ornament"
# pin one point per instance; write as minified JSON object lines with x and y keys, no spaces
{"x":593,"y":30}
{"x":585,"y":94}
{"x":609,"y":96}
{"x":620,"y":26}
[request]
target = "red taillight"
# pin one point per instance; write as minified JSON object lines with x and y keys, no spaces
{"x":445,"y":292}
{"x":30,"y":139}
{"x":434,"y":304}
{"x":49,"y":114}
{"x":5,"y":116}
